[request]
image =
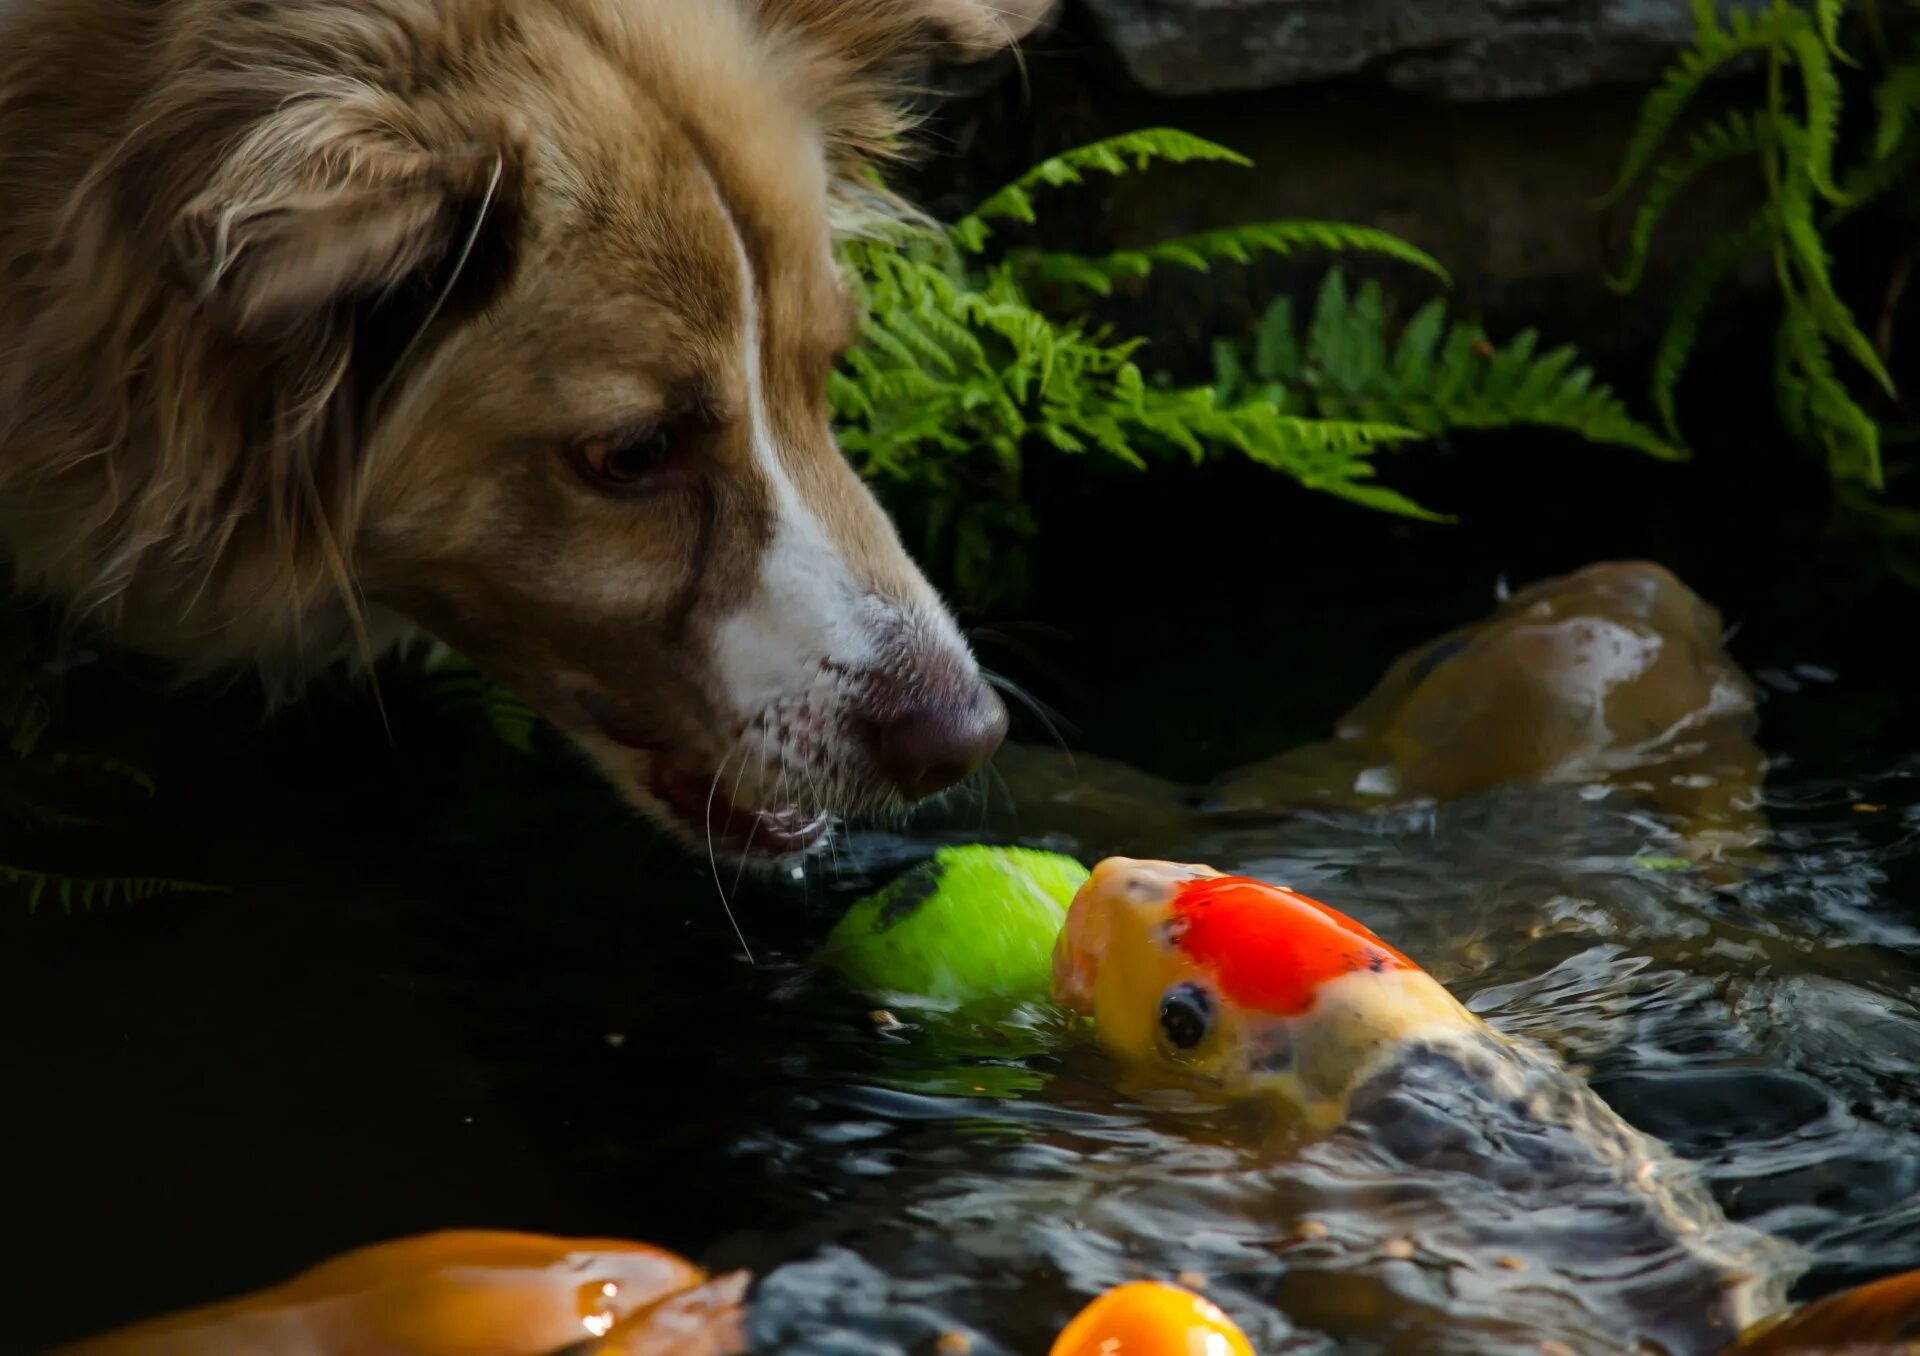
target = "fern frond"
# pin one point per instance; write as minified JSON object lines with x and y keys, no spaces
{"x":1121,"y":155}
{"x":1235,"y":244}
{"x":1277,"y":355}
{"x":961,"y":372}
{"x":1736,"y":135}
{"x":1827,"y":13}
{"x":1713,"y":49}
{"x":1817,"y":405}
{"x":1895,"y":98}
{"x":1822,"y":89}
{"x":1437,"y":377}
{"x":86,"y":893}
{"x":1688,"y":315}
{"x":459,"y":688}
{"x":1806,"y":253}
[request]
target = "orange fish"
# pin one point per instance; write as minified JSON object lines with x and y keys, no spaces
{"x":1244,"y":985}
{"x":464,"y":1294}
{"x":1881,"y":1319}
{"x":1147,"y":1318}
{"x":1249,"y":991}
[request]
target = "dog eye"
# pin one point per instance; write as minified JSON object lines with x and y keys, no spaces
{"x":1186,"y":1015}
{"x":622,"y":462}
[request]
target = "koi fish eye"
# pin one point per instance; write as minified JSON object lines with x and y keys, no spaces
{"x":1186,"y":1015}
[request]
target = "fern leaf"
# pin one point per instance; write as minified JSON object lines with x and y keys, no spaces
{"x":1383,"y":500}
{"x":85,"y":893}
{"x":1822,"y":87}
{"x":1462,"y":361}
{"x":1689,"y":312}
{"x":1440,"y":377}
{"x":1895,"y":98}
{"x":1235,"y":244}
{"x":1826,"y":414}
{"x":1807,"y":251}
{"x":1120,"y":155}
{"x":1827,"y":13}
{"x":1229,"y":374}
{"x":1509,"y":368}
{"x":1276,"y":354}
{"x":1413,"y":362}
{"x":1543,"y":378}
{"x":1330,"y":335}
{"x":1736,"y":135}
{"x":1713,"y":49}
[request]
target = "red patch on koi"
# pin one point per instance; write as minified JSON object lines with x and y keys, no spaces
{"x":1270,"y":948}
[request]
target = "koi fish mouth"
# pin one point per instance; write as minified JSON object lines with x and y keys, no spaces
{"x":1095,"y":928}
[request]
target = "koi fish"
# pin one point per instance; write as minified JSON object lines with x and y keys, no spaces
{"x":1150,"y":1318}
{"x":464,"y":1294}
{"x":1879,"y":1319}
{"x":1245,"y":990}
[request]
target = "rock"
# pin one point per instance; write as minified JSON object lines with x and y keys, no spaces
{"x":1463,"y":50}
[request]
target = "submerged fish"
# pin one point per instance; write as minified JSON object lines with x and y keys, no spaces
{"x":464,"y":1294}
{"x":1615,"y":676}
{"x":1151,"y":1318}
{"x":1248,"y":991}
{"x":1880,"y":1319}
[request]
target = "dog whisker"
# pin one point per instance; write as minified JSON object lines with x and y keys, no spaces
{"x":713,"y":862}
{"x":996,"y":635}
{"x":1035,"y":705}
{"x":740,"y":873}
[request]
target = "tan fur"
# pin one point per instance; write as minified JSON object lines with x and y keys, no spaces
{"x":300,"y":301}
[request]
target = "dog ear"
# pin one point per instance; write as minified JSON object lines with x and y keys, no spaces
{"x":296,"y":225}
{"x":878,"y":33}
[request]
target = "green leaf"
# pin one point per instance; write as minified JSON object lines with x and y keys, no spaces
{"x":1235,"y":244}
{"x":1828,"y":14}
{"x":1438,"y":377}
{"x":1277,"y":355}
{"x":1736,"y":135}
{"x":1689,"y":312}
{"x":1807,"y":253}
{"x":1125,"y":154}
{"x":1713,"y":49}
{"x":1822,"y":87}
{"x":86,"y":893}
{"x":1413,"y":361}
{"x":1895,"y":98}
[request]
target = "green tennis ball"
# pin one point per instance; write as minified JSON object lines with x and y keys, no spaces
{"x":973,"y":923}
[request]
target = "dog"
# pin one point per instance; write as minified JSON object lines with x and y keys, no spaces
{"x":327,"y":321}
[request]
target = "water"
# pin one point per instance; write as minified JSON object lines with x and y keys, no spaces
{"x":454,"y":987}
{"x":533,"y":1019}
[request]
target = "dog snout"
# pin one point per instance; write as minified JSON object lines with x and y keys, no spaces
{"x":936,"y":741}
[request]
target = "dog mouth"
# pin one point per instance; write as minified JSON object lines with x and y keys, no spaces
{"x":696,"y":798}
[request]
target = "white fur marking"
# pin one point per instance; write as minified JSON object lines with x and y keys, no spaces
{"x":786,"y":656}
{"x":808,"y":606}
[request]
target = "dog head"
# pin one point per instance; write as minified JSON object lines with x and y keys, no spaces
{"x":564,"y":270}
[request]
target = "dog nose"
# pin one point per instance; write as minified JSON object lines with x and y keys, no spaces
{"x":932,"y":745}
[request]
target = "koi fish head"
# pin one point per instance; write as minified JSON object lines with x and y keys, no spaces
{"x":1241,"y":985}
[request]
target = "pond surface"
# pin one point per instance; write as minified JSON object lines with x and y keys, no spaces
{"x":455,"y":987}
